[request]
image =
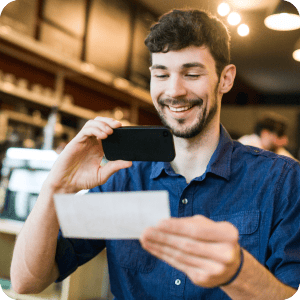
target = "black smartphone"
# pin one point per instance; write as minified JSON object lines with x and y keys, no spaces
{"x":140,"y":143}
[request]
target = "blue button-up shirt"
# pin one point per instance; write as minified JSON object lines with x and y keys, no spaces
{"x":256,"y":190}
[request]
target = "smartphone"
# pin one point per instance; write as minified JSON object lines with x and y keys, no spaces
{"x":140,"y":143}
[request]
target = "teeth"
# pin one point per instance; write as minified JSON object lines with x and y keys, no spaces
{"x":179,"y":108}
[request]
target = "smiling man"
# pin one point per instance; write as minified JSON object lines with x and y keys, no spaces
{"x":235,"y":227}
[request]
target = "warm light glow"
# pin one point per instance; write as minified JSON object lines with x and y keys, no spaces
{"x":223,"y":9}
{"x":118,"y":114}
{"x":121,"y":83}
{"x":243,"y":30}
{"x":296,"y":55}
{"x":234,"y":18}
{"x":87,"y":68}
{"x":283,"y":22}
{"x":5,"y":29}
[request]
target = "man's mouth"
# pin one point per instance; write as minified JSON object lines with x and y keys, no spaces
{"x":180,"y":109}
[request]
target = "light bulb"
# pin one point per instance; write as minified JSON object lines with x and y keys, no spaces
{"x":223,"y":9}
{"x":243,"y":30}
{"x":234,"y":18}
{"x":296,"y":55}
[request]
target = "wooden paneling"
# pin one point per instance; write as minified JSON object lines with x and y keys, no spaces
{"x":68,"y":15}
{"x":108,"y":35}
{"x":140,"y":73}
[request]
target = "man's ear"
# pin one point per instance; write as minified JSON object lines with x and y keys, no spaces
{"x":227,"y":79}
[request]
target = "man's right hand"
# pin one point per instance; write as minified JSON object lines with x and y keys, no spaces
{"x":78,"y":166}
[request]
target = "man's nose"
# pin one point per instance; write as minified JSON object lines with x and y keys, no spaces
{"x":176,"y":87}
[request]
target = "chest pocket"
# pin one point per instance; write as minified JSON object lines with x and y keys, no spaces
{"x":129,"y":254}
{"x":247,"y":223}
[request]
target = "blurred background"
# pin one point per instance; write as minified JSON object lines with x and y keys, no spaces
{"x":63,"y":62}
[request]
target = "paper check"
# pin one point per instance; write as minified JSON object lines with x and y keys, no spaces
{"x":113,"y":215}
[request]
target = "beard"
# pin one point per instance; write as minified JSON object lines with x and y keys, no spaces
{"x":202,"y":120}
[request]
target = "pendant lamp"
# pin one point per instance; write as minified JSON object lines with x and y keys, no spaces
{"x":296,"y":53}
{"x":284,"y":18}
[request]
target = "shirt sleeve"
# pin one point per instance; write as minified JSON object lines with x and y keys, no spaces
{"x":72,"y":253}
{"x":284,"y":242}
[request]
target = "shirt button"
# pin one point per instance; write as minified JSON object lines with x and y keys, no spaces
{"x":177,"y":281}
{"x":184,"y":201}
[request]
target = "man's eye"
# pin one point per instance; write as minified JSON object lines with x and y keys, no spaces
{"x":161,"y":75}
{"x":192,"y":75}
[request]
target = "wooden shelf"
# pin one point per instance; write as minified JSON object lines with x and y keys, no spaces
{"x":35,"y":53}
{"x":77,"y":111}
{"x":10,"y":226}
{"x":27,"y":95}
{"x":46,"y":101}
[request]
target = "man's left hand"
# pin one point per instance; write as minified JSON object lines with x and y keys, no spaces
{"x":207,"y":251}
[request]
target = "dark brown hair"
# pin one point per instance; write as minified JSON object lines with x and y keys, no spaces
{"x":272,"y":122}
{"x":179,"y":29}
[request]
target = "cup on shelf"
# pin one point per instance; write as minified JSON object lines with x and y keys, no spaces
{"x":9,"y":81}
{"x":22,"y":83}
{"x":47,"y":92}
{"x":37,"y":89}
{"x":67,"y":100}
{"x":37,"y":116}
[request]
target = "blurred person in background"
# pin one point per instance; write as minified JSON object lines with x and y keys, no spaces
{"x":269,"y":134}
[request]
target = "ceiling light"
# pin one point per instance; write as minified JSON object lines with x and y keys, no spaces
{"x":296,"y":53}
{"x":285,"y":17}
{"x":243,"y":30}
{"x":223,"y":9}
{"x":234,"y":18}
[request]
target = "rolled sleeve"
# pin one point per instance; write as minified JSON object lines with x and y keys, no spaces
{"x":72,"y":253}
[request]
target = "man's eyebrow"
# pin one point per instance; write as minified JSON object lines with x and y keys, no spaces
{"x":161,"y":67}
{"x":193,"y":65}
{"x":184,"y":66}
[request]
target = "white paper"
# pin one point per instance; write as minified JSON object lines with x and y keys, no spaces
{"x":110,"y":215}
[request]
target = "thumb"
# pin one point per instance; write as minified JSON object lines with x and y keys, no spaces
{"x":112,"y":167}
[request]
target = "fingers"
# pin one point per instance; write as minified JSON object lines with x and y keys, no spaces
{"x":109,"y":121}
{"x":200,"y":228}
{"x":218,"y":251}
{"x":100,"y":128}
{"x":112,"y":167}
{"x":201,"y":271}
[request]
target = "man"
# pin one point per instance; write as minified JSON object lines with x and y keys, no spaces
{"x":234,"y":232}
{"x":269,"y":134}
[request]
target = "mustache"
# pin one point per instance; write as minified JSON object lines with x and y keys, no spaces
{"x":181,"y":102}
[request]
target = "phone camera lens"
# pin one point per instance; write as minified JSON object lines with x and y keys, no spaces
{"x":165,"y":133}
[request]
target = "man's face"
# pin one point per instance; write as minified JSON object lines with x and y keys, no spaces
{"x":184,"y":89}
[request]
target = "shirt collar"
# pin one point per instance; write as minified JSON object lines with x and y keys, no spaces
{"x":219,"y":163}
